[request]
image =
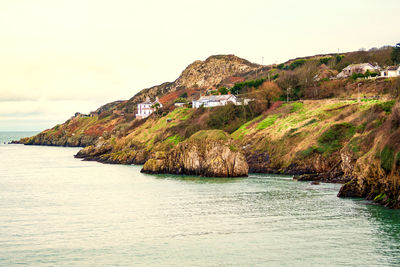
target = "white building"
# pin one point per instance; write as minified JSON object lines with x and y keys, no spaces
{"x":146,"y":108}
{"x":393,"y":71}
{"x":215,"y":101}
{"x":357,"y":68}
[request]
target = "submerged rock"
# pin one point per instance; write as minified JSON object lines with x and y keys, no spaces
{"x":209,"y":153}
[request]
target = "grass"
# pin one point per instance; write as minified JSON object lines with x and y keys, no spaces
{"x":331,"y":140}
{"x":176,"y":139}
{"x":210,"y":134}
{"x":243,"y":130}
{"x":380,"y":197}
{"x":267,"y":122}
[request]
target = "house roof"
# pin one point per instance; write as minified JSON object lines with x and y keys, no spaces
{"x":393,"y":68}
{"x":215,"y":98}
{"x":360,"y":65}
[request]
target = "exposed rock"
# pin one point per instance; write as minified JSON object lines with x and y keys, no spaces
{"x":209,"y":153}
{"x":200,"y":74}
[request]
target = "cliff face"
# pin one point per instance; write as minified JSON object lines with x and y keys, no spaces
{"x":376,"y":175}
{"x":207,"y":153}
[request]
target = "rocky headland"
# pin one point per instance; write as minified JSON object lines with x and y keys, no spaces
{"x":328,"y":136}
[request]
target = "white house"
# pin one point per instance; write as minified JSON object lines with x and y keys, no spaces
{"x":215,"y":101}
{"x":146,"y":108}
{"x":357,"y":68}
{"x":393,"y":71}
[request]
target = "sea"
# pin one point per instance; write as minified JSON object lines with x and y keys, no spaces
{"x":56,"y":210}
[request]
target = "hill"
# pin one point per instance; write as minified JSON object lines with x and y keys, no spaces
{"x":322,"y":134}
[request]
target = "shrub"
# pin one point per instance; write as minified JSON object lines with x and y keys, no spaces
{"x":223,"y":90}
{"x":184,"y":95}
{"x":370,"y":74}
{"x":238,"y":87}
{"x":339,"y":58}
{"x":387,"y":159}
{"x":280,"y":66}
{"x":387,"y":106}
{"x":331,"y":140}
{"x":395,"y":55}
{"x":297,"y":63}
{"x":324,"y":60}
{"x":355,"y":76}
{"x":180,"y":100}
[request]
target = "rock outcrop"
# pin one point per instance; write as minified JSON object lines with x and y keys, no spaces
{"x":201,"y":74}
{"x":209,"y":153}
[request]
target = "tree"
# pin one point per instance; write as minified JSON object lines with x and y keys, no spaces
{"x":223,"y":90}
{"x":180,"y":100}
{"x":268,"y":91}
{"x":156,"y":106}
{"x":396,"y":54}
{"x":289,"y":79}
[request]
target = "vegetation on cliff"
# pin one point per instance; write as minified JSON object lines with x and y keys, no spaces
{"x":321,"y":133}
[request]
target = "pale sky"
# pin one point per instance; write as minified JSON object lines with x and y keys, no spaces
{"x":58,"y":57}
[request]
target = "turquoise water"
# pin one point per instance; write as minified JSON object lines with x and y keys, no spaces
{"x":56,"y":211}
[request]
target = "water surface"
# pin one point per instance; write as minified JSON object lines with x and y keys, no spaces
{"x":56,"y":210}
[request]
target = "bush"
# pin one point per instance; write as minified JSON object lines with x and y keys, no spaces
{"x":370,"y":74}
{"x":395,"y":55}
{"x":223,"y":90}
{"x":238,"y":87}
{"x":387,"y":106}
{"x":339,"y":58}
{"x":324,"y":60}
{"x":387,"y":159}
{"x":280,"y":66}
{"x":180,"y":100}
{"x":331,"y":140}
{"x":297,"y":63}
{"x":355,"y":76}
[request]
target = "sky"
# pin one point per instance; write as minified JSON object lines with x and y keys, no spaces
{"x":58,"y":57}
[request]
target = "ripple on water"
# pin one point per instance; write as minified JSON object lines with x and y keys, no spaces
{"x":57,"y":210}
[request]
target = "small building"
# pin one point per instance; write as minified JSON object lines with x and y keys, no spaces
{"x":147,"y":107}
{"x":357,"y":68}
{"x":215,"y":101}
{"x":179,"y":104}
{"x":393,"y":71}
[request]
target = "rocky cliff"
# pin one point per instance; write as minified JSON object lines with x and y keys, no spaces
{"x":376,"y":175}
{"x":207,"y":153}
